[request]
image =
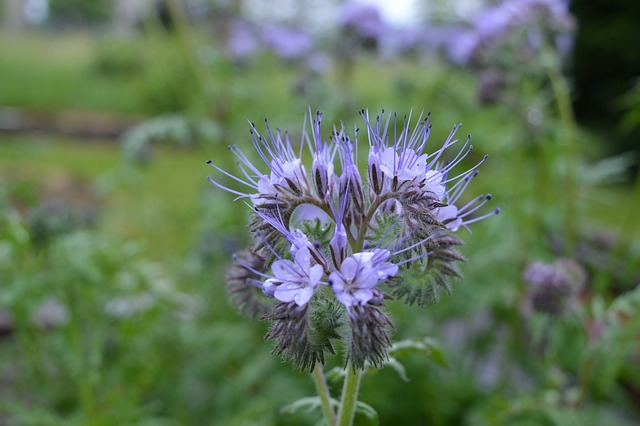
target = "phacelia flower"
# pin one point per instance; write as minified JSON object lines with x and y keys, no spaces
{"x":294,"y":281}
{"x":554,"y":287}
{"x":330,"y":248}
{"x":359,"y":275}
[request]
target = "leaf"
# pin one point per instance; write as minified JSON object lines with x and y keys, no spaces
{"x":367,"y":413}
{"x":336,"y":374}
{"x":398,"y":366}
{"x":307,"y":404}
{"x":427,"y":345}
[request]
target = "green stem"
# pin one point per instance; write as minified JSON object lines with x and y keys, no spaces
{"x":350,"y":391}
{"x":377,"y":201}
{"x":627,"y":235}
{"x":323,"y":392}
{"x":563,"y":102}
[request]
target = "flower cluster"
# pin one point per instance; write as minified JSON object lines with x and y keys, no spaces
{"x":554,"y":287}
{"x":509,"y":40}
{"x":331,"y":245}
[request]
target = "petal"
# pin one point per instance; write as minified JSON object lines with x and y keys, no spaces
{"x":303,"y":259}
{"x":303,"y":296}
{"x":447,"y":213}
{"x":389,"y":161}
{"x":361,"y":297}
{"x":454,"y":225}
{"x":269,"y":286}
{"x":285,"y":270}
{"x":349,"y":268}
{"x":367,"y":278}
{"x":336,"y":281}
{"x":315,"y":274}
{"x":387,"y":270}
{"x":345,"y":298}
{"x":287,"y":292}
{"x":364,"y":258}
{"x":265,"y":186}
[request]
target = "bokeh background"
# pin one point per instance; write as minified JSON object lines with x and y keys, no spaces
{"x":113,"y":245}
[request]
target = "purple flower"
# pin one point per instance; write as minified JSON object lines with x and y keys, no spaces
{"x":359,"y":275}
{"x":243,"y":42}
{"x":312,"y":227}
{"x":294,"y":281}
{"x":523,"y":23}
{"x":554,"y":287}
{"x":403,"y":166}
{"x":287,"y":42}
{"x":365,"y":19}
{"x":287,"y":175}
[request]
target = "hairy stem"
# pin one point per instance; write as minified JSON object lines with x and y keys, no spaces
{"x":349,"y":399}
{"x":323,"y":392}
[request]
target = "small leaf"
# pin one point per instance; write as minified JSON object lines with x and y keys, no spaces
{"x":307,"y":404}
{"x":427,"y":345}
{"x":397,"y":365}
{"x":367,"y":413}
{"x":336,"y":374}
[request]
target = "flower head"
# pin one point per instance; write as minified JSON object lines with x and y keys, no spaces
{"x":386,"y":232}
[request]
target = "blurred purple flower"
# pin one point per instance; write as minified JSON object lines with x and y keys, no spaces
{"x":287,"y":42}
{"x":243,"y":41}
{"x":365,"y":19}
{"x":536,"y":19}
{"x":554,"y":285}
{"x":407,"y":39}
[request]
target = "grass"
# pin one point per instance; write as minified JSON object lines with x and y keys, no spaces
{"x":44,"y":76}
{"x":157,"y":205}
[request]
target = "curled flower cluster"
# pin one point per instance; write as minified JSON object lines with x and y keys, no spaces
{"x":554,"y":286}
{"x":331,"y":245}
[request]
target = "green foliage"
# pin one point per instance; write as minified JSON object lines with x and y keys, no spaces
{"x":173,"y":129}
{"x":79,"y":11}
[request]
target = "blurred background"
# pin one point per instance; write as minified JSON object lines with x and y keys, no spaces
{"x":113,"y":309}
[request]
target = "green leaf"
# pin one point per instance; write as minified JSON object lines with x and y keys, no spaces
{"x":307,"y":404}
{"x":367,"y":414}
{"x":398,"y":366}
{"x":427,"y":345}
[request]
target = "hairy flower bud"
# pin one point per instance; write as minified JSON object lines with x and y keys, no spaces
{"x":369,"y":336}
{"x":242,"y":293}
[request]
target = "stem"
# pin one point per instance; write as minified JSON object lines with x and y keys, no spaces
{"x":323,"y":392}
{"x":604,"y":277}
{"x":349,"y":396}
{"x":377,"y":201}
{"x":563,"y":102}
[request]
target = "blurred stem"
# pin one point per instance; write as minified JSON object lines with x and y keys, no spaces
{"x":323,"y":392}
{"x":349,"y":399}
{"x":629,"y":221}
{"x":181,"y":25}
{"x":562,"y":98}
{"x":81,"y":369}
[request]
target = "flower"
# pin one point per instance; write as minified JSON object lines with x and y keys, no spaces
{"x":387,"y":232}
{"x":365,"y":19}
{"x":294,"y":281}
{"x":286,"y":42}
{"x":359,"y":274}
{"x":553,"y":287}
